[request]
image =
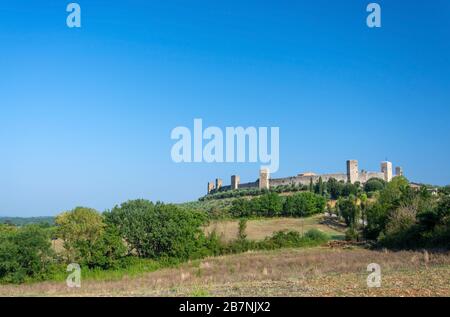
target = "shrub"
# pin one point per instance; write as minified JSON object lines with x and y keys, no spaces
{"x":159,"y":230}
{"x":25,"y":254}
{"x":351,"y":234}
{"x":241,"y":207}
{"x":291,"y":239}
{"x":241,"y":230}
{"x":269,"y":205}
{"x":316,"y":235}
{"x":304,"y":204}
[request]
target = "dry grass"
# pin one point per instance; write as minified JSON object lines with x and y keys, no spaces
{"x":258,"y":229}
{"x":299,"y":272}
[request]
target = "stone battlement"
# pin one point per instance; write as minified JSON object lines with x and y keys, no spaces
{"x":352,"y":175}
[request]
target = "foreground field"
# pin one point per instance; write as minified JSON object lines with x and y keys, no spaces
{"x":300,"y":272}
{"x":258,"y":229}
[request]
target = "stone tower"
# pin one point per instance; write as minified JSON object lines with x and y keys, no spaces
{"x":352,"y":171}
{"x":235,"y":180}
{"x":218,"y":183}
{"x":398,"y":171}
{"x":264,"y":179}
{"x":386,"y":169}
{"x":210,"y":187}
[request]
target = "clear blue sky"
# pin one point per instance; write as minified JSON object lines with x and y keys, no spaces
{"x":86,"y":114}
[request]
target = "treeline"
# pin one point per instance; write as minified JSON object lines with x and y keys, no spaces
{"x":23,"y":221}
{"x":137,"y":229}
{"x":400,"y":217}
{"x":273,"y":205}
{"x":331,"y":189}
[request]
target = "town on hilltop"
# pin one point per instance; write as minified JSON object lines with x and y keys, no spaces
{"x":352,"y":175}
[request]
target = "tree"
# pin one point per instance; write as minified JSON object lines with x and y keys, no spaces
{"x":270,"y":205}
{"x":349,"y":211}
{"x":334,"y":188}
{"x":241,"y":207}
{"x":130,"y":218}
{"x":311,"y":185}
{"x":349,"y":189}
{"x":80,"y":229}
{"x":376,"y":215}
{"x":159,"y":230}
{"x":396,"y":192}
{"x":106,"y":252}
{"x":374,"y":185}
{"x":319,"y":188}
{"x":242,"y":228}
{"x":25,"y":253}
{"x":363,"y":206}
{"x":401,"y":229}
{"x":304,"y":204}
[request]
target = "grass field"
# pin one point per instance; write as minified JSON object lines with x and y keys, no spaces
{"x":319,"y":271}
{"x":258,"y":229}
{"x":290,"y":272}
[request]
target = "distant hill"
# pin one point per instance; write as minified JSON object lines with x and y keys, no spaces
{"x":22,"y":221}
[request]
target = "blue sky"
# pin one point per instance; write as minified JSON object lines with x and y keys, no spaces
{"x":86,"y":114}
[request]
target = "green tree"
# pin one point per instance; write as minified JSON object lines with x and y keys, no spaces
{"x":159,"y":230}
{"x":242,"y":228}
{"x":319,"y":188}
{"x":270,"y":205}
{"x":349,"y":189}
{"x":304,"y":204}
{"x":80,"y":229}
{"x":105,"y":253}
{"x":349,"y":211}
{"x":376,"y":215}
{"x":334,"y":188}
{"x":311,"y":185}
{"x":374,"y":185}
{"x":25,"y":254}
{"x":241,"y":207}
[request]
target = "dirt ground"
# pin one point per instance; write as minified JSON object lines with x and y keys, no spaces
{"x":293,"y":272}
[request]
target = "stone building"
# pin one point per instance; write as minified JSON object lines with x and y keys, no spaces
{"x":352,"y":175}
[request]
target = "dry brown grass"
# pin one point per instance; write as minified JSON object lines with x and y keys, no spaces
{"x":258,"y":229}
{"x":299,"y":272}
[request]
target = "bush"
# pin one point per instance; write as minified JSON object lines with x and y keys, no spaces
{"x":316,"y":235}
{"x":351,"y":234}
{"x":241,"y":207}
{"x":304,"y":204}
{"x":374,"y":185}
{"x":242,"y":228}
{"x":269,"y":205}
{"x":292,"y":239}
{"x":159,"y":230}
{"x":25,"y":254}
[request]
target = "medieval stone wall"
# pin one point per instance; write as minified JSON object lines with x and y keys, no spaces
{"x":352,"y":175}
